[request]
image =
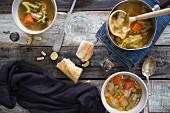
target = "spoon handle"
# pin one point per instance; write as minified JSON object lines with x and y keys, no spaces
{"x":151,"y":14}
{"x":58,"y":42}
{"x":146,"y":109}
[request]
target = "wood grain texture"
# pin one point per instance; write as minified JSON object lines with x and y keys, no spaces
{"x":94,"y":71}
{"x":64,"y":5}
{"x":158,"y":100}
{"x":97,"y":18}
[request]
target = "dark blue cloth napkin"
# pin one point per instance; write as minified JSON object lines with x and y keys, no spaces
{"x":39,"y":92}
{"x":126,"y":58}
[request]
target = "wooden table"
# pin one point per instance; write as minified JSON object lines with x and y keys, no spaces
{"x":98,"y":10}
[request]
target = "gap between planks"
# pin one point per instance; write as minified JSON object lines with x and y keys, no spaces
{"x":97,"y":18}
{"x":158,"y":100}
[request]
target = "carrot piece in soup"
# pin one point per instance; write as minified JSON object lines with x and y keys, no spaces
{"x":136,"y":27}
{"x":109,"y":98}
{"x":122,"y":97}
{"x":28,"y":19}
{"x":137,"y":86}
{"x":117,"y":79}
{"x":128,"y":84}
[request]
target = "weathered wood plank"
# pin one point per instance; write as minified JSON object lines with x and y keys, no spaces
{"x":158,"y":100}
{"x":97,"y":18}
{"x":16,"y":109}
{"x":64,"y":5}
{"x":94,"y":71}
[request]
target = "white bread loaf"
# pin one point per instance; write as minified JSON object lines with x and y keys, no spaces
{"x":69,"y":68}
{"x":85,"y":50}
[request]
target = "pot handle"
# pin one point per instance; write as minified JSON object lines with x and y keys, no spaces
{"x":164,"y":3}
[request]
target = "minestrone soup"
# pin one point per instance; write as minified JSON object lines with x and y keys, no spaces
{"x":123,"y":92}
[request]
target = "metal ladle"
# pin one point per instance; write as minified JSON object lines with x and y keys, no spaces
{"x":119,"y":26}
{"x":148,"y":69}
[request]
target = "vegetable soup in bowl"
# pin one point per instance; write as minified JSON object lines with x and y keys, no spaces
{"x":124,"y":92}
{"x":34,"y":16}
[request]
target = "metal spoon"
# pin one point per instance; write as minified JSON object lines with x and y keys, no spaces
{"x":148,"y":69}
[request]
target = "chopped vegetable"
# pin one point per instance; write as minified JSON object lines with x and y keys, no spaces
{"x":117,"y":79}
{"x":109,"y":98}
{"x":43,"y":53}
{"x":126,"y":18}
{"x":146,"y":29}
{"x":25,"y":4}
{"x":132,"y":41}
{"x":86,"y":64}
{"x":28,"y":19}
{"x":137,"y":86}
{"x":44,"y":4}
{"x":124,"y":103}
{"x":54,"y":56}
{"x":136,"y":27}
{"x":116,"y":94}
{"x":122,"y":97}
{"x":42,"y":20}
{"x":37,"y":38}
{"x":120,"y":19}
{"x":126,"y":93}
{"x":30,"y":7}
{"x":40,"y":58}
{"x":35,"y":16}
{"x":141,"y":22}
{"x":128,"y":84}
{"x":115,"y":102}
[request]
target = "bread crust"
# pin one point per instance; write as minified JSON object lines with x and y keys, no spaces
{"x":85,"y":51}
{"x":69,"y":69}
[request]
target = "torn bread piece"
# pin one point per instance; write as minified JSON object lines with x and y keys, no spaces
{"x":85,"y":50}
{"x":86,"y":64}
{"x":69,"y":68}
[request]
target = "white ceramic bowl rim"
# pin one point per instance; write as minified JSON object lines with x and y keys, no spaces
{"x":143,"y":99}
{"x":16,"y":19}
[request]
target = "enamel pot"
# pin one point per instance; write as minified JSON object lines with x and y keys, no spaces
{"x":163,"y":4}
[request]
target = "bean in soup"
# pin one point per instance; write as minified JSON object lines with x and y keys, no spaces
{"x":36,"y":15}
{"x":123,"y":92}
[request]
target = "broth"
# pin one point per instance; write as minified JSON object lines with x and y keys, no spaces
{"x":49,"y":9}
{"x":123,"y":92}
{"x":141,"y":31}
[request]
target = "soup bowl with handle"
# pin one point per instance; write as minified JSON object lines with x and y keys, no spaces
{"x":15,"y":8}
{"x":144,"y":96}
{"x":149,"y":9}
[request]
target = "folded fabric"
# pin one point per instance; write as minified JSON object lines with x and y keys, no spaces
{"x":40,"y":92}
{"x":127,"y":58}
